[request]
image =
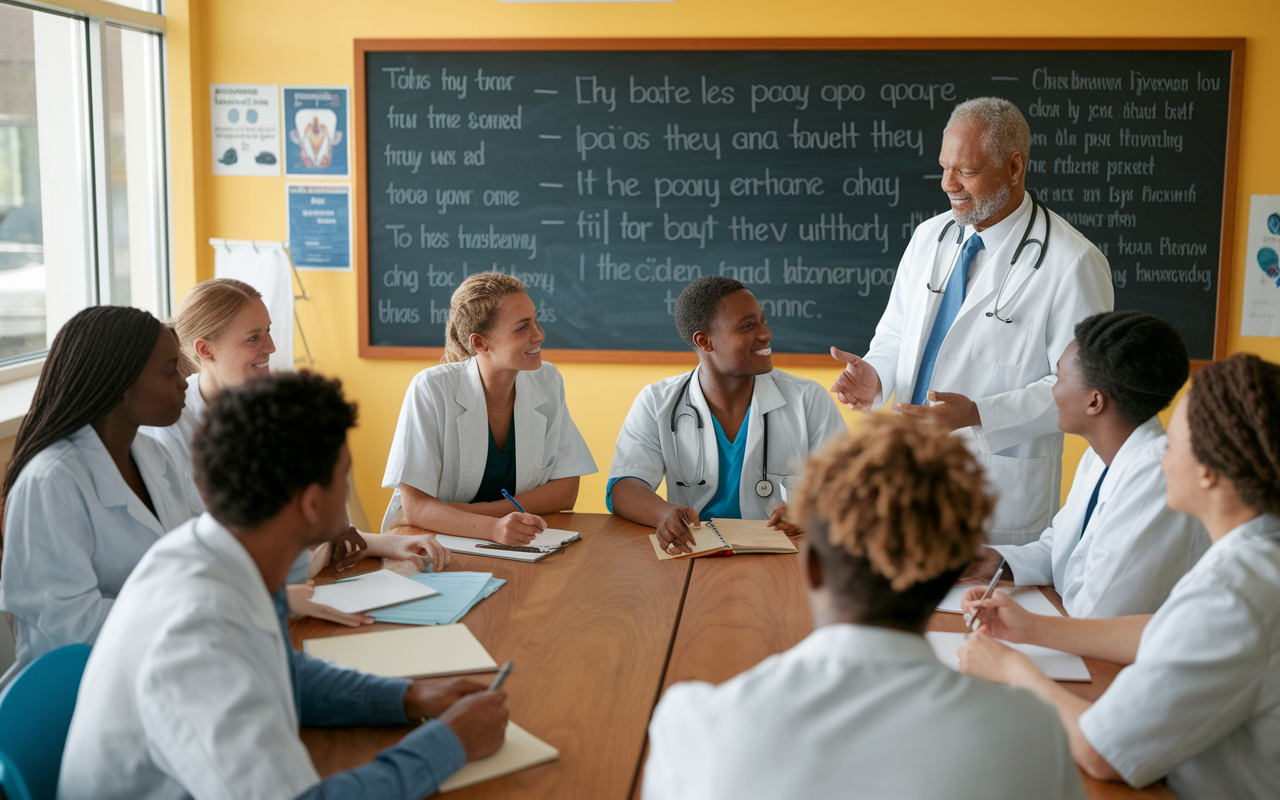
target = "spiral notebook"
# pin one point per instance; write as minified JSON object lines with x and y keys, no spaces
{"x":730,"y":536}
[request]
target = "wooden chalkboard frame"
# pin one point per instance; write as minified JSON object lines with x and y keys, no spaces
{"x":363,"y":46}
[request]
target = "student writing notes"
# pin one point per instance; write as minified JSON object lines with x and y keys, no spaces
{"x":193,"y":690}
{"x":1200,"y":699}
{"x":861,"y":707}
{"x":727,"y":435}
{"x":84,"y":496}
{"x":492,"y":416}
{"x":225,"y":333}
{"x":1115,"y":548}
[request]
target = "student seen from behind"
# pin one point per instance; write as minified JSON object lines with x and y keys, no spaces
{"x":193,"y":689}
{"x":861,"y":707}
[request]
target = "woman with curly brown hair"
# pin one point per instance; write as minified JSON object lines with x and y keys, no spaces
{"x":1199,"y":701}
{"x":893,"y":512}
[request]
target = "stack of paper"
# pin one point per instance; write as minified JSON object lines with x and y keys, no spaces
{"x":1029,"y":597}
{"x":375,"y":590}
{"x":1056,"y":664}
{"x":407,"y":652}
{"x":458,"y":593}
{"x":521,"y":750}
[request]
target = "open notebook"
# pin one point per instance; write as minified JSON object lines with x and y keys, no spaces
{"x":407,"y":653}
{"x":521,"y":750}
{"x":549,"y":538}
{"x":730,"y":536}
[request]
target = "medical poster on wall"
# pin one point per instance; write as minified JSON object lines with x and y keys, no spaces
{"x":320,"y":226}
{"x":246,"y":128}
{"x":318,"y":129}
{"x":1262,"y":268}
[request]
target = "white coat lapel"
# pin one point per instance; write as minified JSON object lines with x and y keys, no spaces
{"x":473,"y":432}
{"x":710,"y":448}
{"x":110,"y":485}
{"x":997,"y":266}
{"x":531,"y":431}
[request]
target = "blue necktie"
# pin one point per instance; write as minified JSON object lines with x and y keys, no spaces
{"x":1093,"y":500}
{"x":952,"y":299}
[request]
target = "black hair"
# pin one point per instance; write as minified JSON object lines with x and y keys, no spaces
{"x":698,"y":303}
{"x":1137,"y":360}
{"x":261,"y":443}
{"x":94,"y":359}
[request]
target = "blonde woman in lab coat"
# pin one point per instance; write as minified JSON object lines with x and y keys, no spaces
{"x":490,"y":417}
{"x":1199,"y":700}
{"x":84,"y":495}
{"x":225,"y":332}
{"x":861,"y":707}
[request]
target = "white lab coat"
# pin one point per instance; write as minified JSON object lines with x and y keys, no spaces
{"x":802,"y":417}
{"x":73,"y":532}
{"x":177,"y":437}
{"x":856,"y":711}
{"x":442,"y":438}
{"x":1201,"y":701}
{"x":1135,"y":548}
{"x":1007,"y":369}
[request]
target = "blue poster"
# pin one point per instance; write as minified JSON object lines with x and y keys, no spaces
{"x":320,"y":226}
{"x":318,"y":130}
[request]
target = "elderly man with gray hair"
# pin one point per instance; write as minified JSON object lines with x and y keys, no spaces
{"x":986,"y":299}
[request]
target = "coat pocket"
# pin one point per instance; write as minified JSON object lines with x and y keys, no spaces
{"x":1026,"y":497}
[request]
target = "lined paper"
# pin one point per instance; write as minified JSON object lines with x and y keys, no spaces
{"x":1056,"y":664}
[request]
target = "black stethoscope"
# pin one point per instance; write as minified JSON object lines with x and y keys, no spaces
{"x":1042,"y":244}
{"x":764,"y":486}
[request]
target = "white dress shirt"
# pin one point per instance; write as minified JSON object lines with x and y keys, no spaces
{"x":1135,"y":548}
{"x":856,"y":711}
{"x":442,"y":437}
{"x":73,"y":532}
{"x":1201,"y":701}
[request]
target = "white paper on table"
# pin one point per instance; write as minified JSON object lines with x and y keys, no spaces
{"x":1055,"y":664}
{"x":551,"y":537}
{"x":1029,"y":597}
{"x":375,"y":590}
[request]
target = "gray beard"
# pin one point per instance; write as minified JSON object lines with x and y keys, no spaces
{"x":983,"y":209}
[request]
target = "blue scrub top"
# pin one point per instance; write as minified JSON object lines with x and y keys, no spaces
{"x":724,"y":503}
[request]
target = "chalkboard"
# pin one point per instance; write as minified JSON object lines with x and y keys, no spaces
{"x":606,"y":175}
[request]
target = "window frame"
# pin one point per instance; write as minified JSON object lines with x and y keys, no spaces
{"x":97,"y":16}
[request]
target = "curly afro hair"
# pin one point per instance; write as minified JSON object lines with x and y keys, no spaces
{"x":895,"y":511}
{"x":1137,"y":360}
{"x":698,"y":303}
{"x":260,"y":444}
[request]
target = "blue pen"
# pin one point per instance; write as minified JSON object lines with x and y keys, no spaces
{"x":507,"y":495}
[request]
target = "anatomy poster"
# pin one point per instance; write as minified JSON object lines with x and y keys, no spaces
{"x":246,"y":128}
{"x":1262,"y":268}
{"x":318,"y":132}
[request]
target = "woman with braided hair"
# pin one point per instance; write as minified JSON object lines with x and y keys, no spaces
{"x":893,"y":513}
{"x":84,"y":495}
{"x":1199,"y":702}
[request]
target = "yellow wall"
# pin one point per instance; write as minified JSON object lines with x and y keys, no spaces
{"x":310,"y":42}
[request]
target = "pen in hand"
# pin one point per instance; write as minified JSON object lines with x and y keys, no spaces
{"x":501,"y":677}
{"x":991,"y":587}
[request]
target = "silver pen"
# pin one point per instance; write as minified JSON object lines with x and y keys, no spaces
{"x":991,"y":587}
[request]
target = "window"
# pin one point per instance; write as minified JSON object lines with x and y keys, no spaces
{"x":82,"y":179}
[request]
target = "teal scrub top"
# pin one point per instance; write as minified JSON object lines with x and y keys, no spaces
{"x":724,"y":503}
{"x":499,"y":469}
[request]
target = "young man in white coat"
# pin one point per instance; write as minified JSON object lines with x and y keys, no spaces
{"x":976,"y":320}
{"x":861,"y":707}
{"x":193,"y":690}
{"x":728,"y":436}
{"x":1116,"y":547}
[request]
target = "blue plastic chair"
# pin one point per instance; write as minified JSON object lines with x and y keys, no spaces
{"x":35,"y":713}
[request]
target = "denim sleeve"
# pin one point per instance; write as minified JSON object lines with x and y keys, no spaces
{"x":411,"y":770}
{"x":330,"y":695}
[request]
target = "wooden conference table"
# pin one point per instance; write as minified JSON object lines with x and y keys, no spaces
{"x":598,"y":632}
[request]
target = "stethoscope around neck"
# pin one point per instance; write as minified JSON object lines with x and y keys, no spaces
{"x":764,"y":486}
{"x":998,"y":309}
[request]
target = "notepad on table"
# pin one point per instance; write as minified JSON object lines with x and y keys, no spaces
{"x":551,"y":537}
{"x":1054,"y":663}
{"x":375,"y":590}
{"x":521,"y":750}
{"x":730,"y":536}
{"x":1029,"y":597}
{"x":407,"y":653}
{"x":459,"y":592}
